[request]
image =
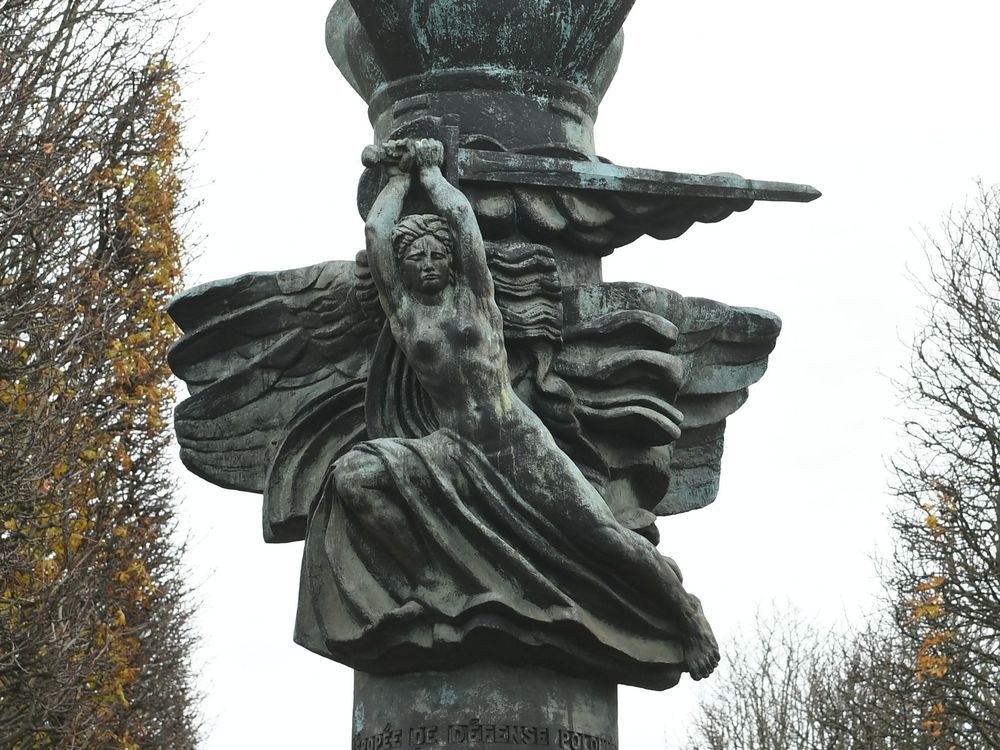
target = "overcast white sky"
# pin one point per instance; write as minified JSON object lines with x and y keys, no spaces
{"x":890,"y":108}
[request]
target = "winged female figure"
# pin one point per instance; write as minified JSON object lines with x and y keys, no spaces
{"x":485,"y":525}
{"x":473,"y":451}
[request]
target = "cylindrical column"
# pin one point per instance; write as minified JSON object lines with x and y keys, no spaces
{"x":483,"y":705}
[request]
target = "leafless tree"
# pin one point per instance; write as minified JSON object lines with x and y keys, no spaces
{"x":789,"y":684}
{"x":94,"y":615}
{"x":946,"y":570}
{"x":759,"y":692}
{"x":924,"y":674}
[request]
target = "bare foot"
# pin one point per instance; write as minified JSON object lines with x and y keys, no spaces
{"x":701,"y":651}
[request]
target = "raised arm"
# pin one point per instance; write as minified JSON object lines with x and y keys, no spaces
{"x":382,"y":219}
{"x":469,"y":252}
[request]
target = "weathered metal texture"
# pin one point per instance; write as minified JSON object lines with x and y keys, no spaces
{"x":518,"y":110}
{"x":582,"y":207}
{"x":483,"y":705}
{"x":525,"y":169}
{"x":523,"y":73}
{"x":521,"y":84}
{"x":259,"y":351}
{"x":389,"y":40}
{"x":472,"y":432}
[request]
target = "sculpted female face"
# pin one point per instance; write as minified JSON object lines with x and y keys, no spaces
{"x":426,"y":266}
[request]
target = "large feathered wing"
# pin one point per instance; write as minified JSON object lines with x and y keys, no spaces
{"x":656,"y":375}
{"x":725,"y":351}
{"x":276,"y":365}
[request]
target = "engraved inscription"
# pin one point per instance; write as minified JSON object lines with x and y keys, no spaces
{"x":567,"y":738}
{"x":423,"y":736}
{"x":502,"y":734}
{"x":387,"y":738}
{"x":474,"y":733}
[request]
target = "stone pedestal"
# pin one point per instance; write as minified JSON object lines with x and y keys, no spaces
{"x":484,"y":705}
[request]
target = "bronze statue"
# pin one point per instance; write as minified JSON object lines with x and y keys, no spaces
{"x":515,"y":493}
{"x":470,"y":430}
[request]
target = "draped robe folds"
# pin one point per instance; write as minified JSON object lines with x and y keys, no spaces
{"x":494,"y":577}
{"x":501,"y":568}
{"x":287,"y":379}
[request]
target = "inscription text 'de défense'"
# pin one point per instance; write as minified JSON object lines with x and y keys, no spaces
{"x":475,"y":733}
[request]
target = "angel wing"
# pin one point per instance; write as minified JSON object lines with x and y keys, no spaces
{"x":275,"y":364}
{"x":656,"y":375}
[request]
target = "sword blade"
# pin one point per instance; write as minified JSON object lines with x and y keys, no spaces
{"x":546,"y":171}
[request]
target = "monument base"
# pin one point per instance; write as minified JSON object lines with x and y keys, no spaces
{"x":483,"y":705}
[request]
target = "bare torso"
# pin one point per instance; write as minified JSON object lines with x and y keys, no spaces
{"x":452,"y":338}
{"x":456,"y":348}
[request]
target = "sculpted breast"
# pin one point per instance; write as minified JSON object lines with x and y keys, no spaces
{"x":425,"y":350}
{"x":467,"y":334}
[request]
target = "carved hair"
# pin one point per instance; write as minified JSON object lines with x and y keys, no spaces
{"x":412,"y":228}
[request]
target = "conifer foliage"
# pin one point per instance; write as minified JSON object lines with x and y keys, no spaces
{"x":94,"y":614}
